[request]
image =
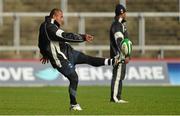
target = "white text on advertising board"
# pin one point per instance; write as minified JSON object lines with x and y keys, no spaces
{"x":91,"y":73}
{"x":86,"y":73}
{"x":17,"y":74}
{"x":145,"y":73}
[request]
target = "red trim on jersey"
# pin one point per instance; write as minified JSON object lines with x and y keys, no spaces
{"x":19,"y":60}
{"x":151,"y":59}
{"x":132,"y":60}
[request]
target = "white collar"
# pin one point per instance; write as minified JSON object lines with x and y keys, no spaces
{"x":120,"y":19}
{"x":52,"y":21}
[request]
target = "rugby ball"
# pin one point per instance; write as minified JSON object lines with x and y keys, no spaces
{"x":126,"y":47}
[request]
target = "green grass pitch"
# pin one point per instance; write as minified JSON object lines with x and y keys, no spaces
{"x":144,"y":100}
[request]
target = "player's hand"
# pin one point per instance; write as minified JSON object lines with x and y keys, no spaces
{"x":44,"y":60}
{"x":88,"y":37}
{"x":127,"y":60}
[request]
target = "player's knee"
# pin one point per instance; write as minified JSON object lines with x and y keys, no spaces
{"x":73,"y":77}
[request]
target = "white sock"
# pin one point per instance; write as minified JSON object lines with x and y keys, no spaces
{"x":106,"y":61}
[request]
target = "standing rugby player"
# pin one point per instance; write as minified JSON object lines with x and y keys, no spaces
{"x":118,"y":32}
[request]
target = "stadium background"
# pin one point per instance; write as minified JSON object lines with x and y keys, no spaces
{"x":154,"y":28}
{"x":159,"y":30}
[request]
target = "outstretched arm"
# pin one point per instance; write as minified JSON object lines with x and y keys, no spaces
{"x":58,"y":34}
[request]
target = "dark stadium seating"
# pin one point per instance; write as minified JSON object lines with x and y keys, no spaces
{"x":159,"y":31}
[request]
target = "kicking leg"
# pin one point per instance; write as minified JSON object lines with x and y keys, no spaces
{"x":81,"y":58}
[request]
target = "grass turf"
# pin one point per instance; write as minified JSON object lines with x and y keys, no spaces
{"x":94,"y":100}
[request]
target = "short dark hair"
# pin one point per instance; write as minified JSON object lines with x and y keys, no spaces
{"x":120,"y":9}
{"x":54,"y":11}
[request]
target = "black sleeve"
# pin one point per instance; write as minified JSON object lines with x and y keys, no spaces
{"x":64,"y":36}
{"x":42,"y":41}
{"x":126,"y":34}
{"x":118,"y":28}
{"x":72,"y":37}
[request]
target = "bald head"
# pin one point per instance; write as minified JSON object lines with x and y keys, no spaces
{"x":54,"y":11}
{"x":57,"y":15}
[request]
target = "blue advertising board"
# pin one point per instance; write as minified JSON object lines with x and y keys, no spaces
{"x":30,"y":73}
{"x":174,"y":73}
